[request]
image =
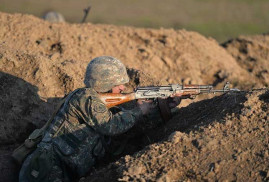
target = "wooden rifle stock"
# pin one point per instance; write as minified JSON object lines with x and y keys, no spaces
{"x":111,"y":99}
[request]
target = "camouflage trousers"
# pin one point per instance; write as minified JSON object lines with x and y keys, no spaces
{"x":54,"y":174}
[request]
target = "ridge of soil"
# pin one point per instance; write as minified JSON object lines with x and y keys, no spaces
{"x":251,"y":52}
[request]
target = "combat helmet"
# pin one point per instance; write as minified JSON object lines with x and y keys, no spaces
{"x":105,"y":72}
{"x":54,"y":17}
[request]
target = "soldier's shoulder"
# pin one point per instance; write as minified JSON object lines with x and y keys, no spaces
{"x":88,"y":93}
{"x":82,"y":96}
{"x":84,"y":91}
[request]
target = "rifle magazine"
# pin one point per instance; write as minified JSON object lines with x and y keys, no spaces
{"x":165,"y":110}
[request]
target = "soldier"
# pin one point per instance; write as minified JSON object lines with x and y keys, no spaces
{"x":54,"y":17}
{"x":76,"y":137}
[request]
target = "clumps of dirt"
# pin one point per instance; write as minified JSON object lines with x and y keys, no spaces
{"x":139,"y":78}
{"x":204,"y":145}
{"x":166,"y":54}
{"x":252,"y":53}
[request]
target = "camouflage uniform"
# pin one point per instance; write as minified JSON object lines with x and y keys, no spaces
{"x":74,"y":140}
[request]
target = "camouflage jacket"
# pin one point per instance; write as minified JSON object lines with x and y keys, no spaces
{"x":77,"y":129}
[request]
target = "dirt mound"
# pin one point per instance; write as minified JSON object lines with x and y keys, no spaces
{"x":40,"y":62}
{"x":252,"y":54}
{"x":200,"y":145}
{"x":175,"y":56}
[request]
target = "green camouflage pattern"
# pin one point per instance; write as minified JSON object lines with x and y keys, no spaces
{"x":76,"y":133}
{"x":103,"y":73}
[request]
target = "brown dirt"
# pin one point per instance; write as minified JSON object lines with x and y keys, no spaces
{"x":251,"y":53}
{"x":223,"y":138}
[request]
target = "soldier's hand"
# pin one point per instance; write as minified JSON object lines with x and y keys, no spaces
{"x":190,"y":96}
{"x":146,"y":106}
{"x":174,"y":102}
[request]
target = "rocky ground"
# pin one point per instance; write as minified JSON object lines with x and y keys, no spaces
{"x":223,"y":137}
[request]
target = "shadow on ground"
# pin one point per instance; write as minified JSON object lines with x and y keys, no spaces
{"x":21,"y":112}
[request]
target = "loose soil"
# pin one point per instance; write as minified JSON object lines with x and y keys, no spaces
{"x":209,"y":139}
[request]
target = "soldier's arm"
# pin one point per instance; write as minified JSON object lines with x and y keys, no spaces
{"x":112,"y":124}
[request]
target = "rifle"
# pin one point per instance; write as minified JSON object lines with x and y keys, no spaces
{"x":161,"y":93}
